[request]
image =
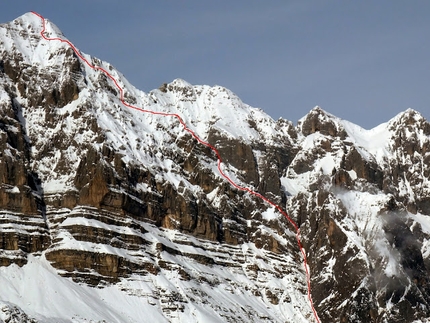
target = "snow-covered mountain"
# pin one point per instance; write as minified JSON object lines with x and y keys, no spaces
{"x":111,"y":214}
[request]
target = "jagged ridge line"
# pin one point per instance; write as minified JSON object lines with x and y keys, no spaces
{"x":185,"y":127}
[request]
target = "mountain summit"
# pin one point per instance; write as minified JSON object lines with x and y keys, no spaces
{"x":112,"y":214}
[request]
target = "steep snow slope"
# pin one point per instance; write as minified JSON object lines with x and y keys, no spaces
{"x":80,"y":114}
{"x":47,"y":297}
{"x":204,"y":109}
{"x":367,"y":190}
{"x":127,"y":216}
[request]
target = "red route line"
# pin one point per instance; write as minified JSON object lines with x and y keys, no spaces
{"x":246,"y":189}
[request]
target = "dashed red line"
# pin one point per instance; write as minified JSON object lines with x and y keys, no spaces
{"x":185,"y":127}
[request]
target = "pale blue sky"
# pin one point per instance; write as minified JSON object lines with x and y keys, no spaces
{"x":364,"y":61}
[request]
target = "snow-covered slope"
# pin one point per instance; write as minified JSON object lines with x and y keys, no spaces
{"x":123,"y":216}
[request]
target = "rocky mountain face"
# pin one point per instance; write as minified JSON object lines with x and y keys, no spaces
{"x":108,"y":198}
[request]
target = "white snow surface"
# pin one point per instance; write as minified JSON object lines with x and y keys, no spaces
{"x":204,"y":109}
{"x":139,"y":136}
{"x":48,"y":297}
{"x":38,"y":288}
{"x":136,"y":134}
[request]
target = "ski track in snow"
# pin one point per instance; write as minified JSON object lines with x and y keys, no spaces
{"x":185,"y":127}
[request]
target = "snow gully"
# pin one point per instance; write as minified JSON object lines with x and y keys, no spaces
{"x":185,"y":127}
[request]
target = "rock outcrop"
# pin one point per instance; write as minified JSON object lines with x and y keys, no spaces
{"x":106,"y":194}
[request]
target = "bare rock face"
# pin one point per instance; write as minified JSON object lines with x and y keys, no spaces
{"x":237,"y":154}
{"x":106,"y":193}
{"x":319,"y":121}
{"x":25,"y":231}
{"x":12,"y":314}
{"x":369,"y":261}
